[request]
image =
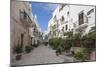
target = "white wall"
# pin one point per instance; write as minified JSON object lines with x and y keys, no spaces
{"x":76,"y":9}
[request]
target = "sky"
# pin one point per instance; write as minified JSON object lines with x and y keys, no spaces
{"x":44,"y":13}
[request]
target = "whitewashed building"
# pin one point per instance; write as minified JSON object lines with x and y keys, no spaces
{"x":83,"y":18}
{"x":76,"y":18}
{"x":60,"y":21}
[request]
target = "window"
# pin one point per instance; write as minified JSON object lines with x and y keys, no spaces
{"x":62,"y":18}
{"x":23,"y":14}
{"x":22,"y":37}
{"x":89,"y":12}
{"x":81,"y":18}
{"x":62,"y":29}
{"x":68,"y":13}
{"x":66,"y":27}
{"x":55,"y":17}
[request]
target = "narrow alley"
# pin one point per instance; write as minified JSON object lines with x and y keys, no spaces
{"x":42,"y":55}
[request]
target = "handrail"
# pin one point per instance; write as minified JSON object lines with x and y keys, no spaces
{"x":26,"y":16}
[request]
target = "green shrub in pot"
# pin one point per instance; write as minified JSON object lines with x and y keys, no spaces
{"x":81,"y":55}
{"x":28,"y":49}
{"x":68,"y":44}
{"x":18,"y":49}
{"x":89,"y":40}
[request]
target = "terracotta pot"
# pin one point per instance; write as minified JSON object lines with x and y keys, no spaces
{"x":18,"y":57}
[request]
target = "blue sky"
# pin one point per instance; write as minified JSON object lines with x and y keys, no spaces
{"x":43,"y":12}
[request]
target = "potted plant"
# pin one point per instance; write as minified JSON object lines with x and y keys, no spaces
{"x":28,"y":49}
{"x":81,"y":55}
{"x":89,"y":40}
{"x":18,"y":50}
{"x":68,"y":45}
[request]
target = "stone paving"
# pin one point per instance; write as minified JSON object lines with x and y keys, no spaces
{"x":42,"y":55}
{"x":93,"y":56}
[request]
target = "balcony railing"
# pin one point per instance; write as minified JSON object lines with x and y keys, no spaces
{"x":24,"y":17}
{"x":83,"y":24}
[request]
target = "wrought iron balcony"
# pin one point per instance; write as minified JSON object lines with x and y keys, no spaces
{"x":24,"y":17}
{"x":83,"y":25}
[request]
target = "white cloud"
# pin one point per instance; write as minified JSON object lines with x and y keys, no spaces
{"x":46,"y":6}
{"x":50,"y":7}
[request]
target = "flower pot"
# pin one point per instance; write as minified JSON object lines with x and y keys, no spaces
{"x":57,"y":53}
{"x":45,"y":44}
{"x":18,"y":57}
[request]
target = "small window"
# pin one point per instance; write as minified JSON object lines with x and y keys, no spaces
{"x":66,"y":27}
{"x":62,"y":18}
{"x":63,"y":29}
{"x":68,"y":13}
{"x":25,"y":16}
{"x":55,"y":17}
{"x":81,"y":18}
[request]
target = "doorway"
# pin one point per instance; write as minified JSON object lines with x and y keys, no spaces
{"x":22,"y":37}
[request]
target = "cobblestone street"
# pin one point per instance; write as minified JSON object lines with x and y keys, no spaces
{"x":42,"y":55}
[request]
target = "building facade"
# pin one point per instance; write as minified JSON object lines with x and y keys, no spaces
{"x":83,"y":19}
{"x":60,"y":22}
{"x":24,"y":29}
{"x":35,"y":32}
{"x":20,"y":23}
{"x":71,"y":18}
